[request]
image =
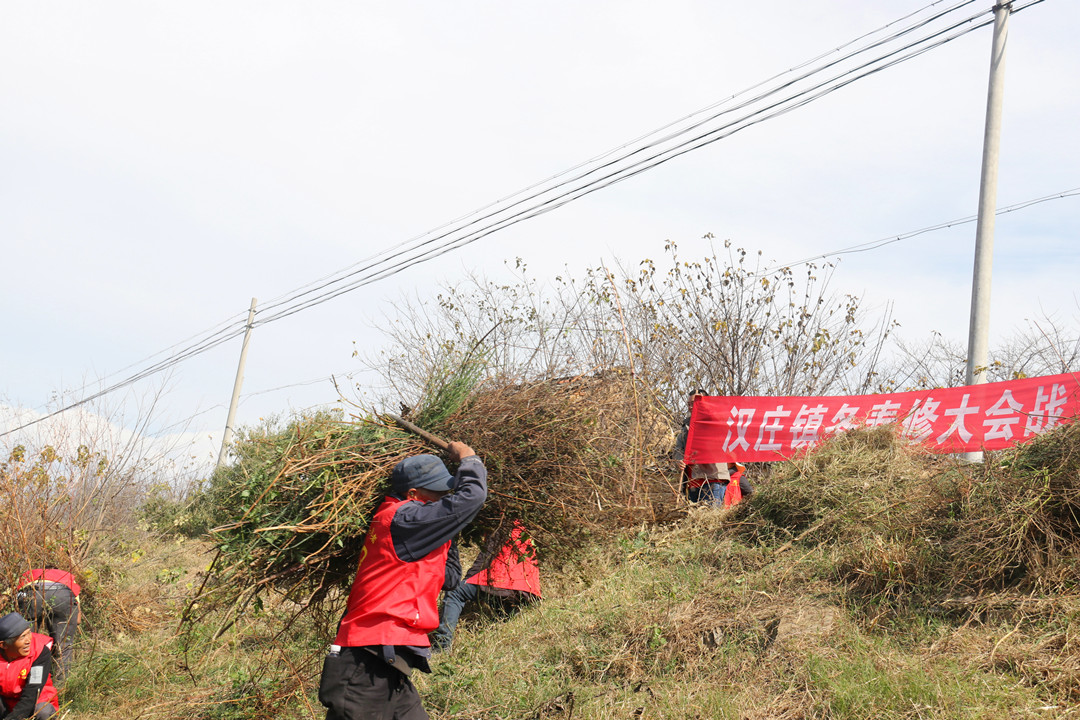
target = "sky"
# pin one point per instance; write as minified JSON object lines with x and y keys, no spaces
{"x":162,"y":163}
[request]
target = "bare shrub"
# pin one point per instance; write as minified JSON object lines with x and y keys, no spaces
{"x":726,"y":324}
{"x":721,"y":322}
{"x":1046,"y":346}
{"x":56,"y":510}
{"x":70,"y":486}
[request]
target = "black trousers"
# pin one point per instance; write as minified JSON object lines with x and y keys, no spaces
{"x":54,"y":606}
{"x":357,"y":685}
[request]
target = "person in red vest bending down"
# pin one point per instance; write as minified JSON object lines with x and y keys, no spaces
{"x":406,"y":560}
{"x":50,"y":598}
{"x":505,"y":575}
{"x":26,"y":687}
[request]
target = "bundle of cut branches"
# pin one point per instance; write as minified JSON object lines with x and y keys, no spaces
{"x":295,"y":505}
{"x":1020,"y":525}
{"x":567,"y":458}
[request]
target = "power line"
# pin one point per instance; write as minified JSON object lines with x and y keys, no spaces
{"x":616,"y":175}
{"x":238,"y":320}
{"x":851,"y":249}
{"x":583,"y":177}
{"x":459,"y":223}
{"x":380,"y":273}
{"x":877,"y":244}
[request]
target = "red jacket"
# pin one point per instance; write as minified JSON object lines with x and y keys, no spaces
{"x":64,"y":578}
{"x":392,"y":602}
{"x":514,"y":568}
{"x":14,"y":674}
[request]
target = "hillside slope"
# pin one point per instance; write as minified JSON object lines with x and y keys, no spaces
{"x":865,"y":580}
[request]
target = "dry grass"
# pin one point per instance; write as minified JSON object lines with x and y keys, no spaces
{"x":902,"y":527}
{"x":684,"y":622}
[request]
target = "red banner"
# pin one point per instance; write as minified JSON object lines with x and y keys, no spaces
{"x":946,"y":420}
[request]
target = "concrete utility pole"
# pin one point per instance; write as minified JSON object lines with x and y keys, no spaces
{"x":979,"y":327}
{"x":227,"y":437}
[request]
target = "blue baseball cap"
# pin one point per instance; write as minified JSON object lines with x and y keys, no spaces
{"x":421,"y":471}
{"x":12,"y":626}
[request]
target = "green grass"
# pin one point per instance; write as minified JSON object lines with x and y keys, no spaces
{"x":875,"y":678}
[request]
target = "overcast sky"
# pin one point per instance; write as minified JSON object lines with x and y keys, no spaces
{"x":162,"y":163}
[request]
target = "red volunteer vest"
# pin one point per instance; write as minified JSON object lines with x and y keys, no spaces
{"x":514,"y":568}
{"x":733,"y":493}
{"x":392,"y":602}
{"x":14,"y":674}
{"x":64,"y":578}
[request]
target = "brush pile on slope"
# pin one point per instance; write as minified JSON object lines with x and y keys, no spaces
{"x":906,"y":526}
{"x":563,"y":457}
{"x":1019,"y":519}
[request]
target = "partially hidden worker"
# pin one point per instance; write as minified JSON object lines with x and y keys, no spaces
{"x":26,"y":687}
{"x":50,"y":598}
{"x":506,"y":576}
{"x":406,"y":560}
{"x":701,"y":482}
{"x":719,"y":484}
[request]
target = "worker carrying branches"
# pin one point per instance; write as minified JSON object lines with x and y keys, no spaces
{"x":407,"y":558}
{"x":707,"y":482}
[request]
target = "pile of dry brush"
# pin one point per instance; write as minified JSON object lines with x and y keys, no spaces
{"x":569,"y":458}
{"x":905,"y":534}
{"x":904,"y":526}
